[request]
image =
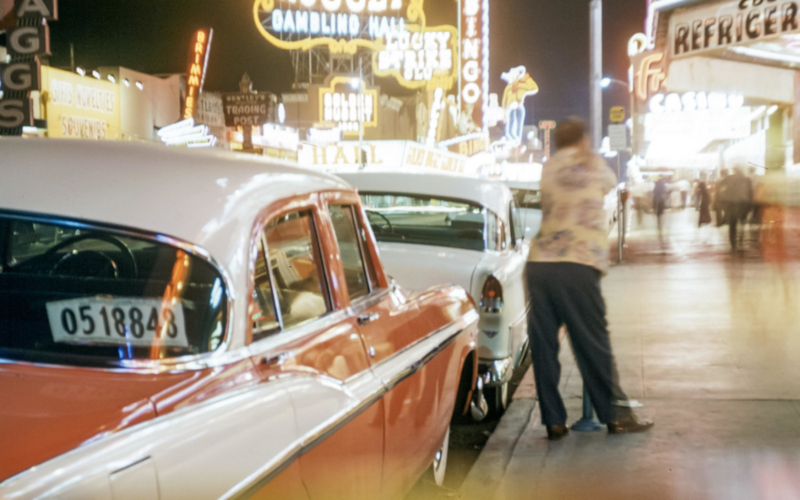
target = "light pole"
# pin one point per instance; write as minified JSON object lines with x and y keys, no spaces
{"x":621,"y":214}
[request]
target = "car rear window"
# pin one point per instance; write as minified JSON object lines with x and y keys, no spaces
{"x":80,"y":295}
{"x":422,"y":220}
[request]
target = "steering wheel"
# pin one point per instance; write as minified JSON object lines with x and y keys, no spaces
{"x":388,"y":222}
{"x":93,"y":253}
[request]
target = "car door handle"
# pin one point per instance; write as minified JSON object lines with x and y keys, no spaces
{"x":367,"y":318}
{"x":276,"y":359}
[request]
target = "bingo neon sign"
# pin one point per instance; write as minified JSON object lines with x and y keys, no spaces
{"x":475,"y":62}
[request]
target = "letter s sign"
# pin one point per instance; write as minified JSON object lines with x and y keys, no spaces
{"x":16,"y":113}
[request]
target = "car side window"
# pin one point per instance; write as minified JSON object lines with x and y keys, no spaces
{"x":295,"y":264}
{"x":262,"y":312}
{"x":344,"y":228}
{"x":517,"y":230}
{"x":362,"y":233}
{"x":491,"y":231}
{"x":501,"y":234}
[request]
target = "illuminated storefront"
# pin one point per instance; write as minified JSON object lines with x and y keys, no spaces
{"x":713,"y":85}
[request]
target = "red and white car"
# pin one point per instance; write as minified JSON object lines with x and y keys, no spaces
{"x":181,"y":325}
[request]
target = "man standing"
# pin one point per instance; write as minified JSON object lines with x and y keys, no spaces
{"x":567,"y":260}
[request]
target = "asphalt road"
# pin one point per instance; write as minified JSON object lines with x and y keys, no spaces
{"x":466,"y":443}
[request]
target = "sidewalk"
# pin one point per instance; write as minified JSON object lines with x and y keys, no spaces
{"x":709,"y":341}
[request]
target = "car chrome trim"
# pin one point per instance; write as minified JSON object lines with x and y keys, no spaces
{"x":256,"y":481}
{"x":499,"y":371}
{"x":147,"y":366}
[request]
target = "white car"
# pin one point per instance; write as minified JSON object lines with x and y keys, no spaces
{"x":433,"y":229}
{"x":528,"y":199}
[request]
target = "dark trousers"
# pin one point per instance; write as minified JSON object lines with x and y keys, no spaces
{"x":569,"y":294}
{"x":736,"y":213}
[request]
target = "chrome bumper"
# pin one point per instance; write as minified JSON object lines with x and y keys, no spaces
{"x":495,"y":372}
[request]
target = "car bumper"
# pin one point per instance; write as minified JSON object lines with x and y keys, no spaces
{"x":496,"y":372}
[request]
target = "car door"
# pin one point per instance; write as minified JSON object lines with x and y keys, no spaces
{"x":302,"y":330}
{"x":389,"y":324}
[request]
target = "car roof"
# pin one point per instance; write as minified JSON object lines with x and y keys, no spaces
{"x":490,"y":194}
{"x":208,"y":198}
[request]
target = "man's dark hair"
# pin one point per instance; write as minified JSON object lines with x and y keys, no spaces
{"x":570,"y":132}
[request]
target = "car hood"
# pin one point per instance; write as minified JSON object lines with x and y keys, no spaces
{"x":418,"y":267}
{"x":49,"y":410}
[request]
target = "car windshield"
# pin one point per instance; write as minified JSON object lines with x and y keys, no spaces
{"x":401,"y":218}
{"x":75,"y":295}
{"x":527,"y":198}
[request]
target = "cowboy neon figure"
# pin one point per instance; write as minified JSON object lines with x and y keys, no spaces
{"x":520,"y":85}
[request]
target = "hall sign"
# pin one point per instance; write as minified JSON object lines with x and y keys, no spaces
{"x":342,"y":25}
{"x":716,"y":26}
{"x":398,"y":156}
{"x":415,"y":56}
{"x":23,"y":75}
{"x":347,"y":104}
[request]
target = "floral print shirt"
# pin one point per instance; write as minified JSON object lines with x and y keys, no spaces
{"x":574,"y":228}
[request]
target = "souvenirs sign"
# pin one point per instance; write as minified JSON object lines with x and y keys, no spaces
{"x":341,"y":25}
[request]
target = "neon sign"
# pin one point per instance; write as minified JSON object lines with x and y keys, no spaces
{"x":341,"y":25}
{"x":475,"y":64}
{"x":520,"y":86}
{"x":198,"y":61}
{"x":547,"y":126}
{"x":650,"y":76}
{"x":347,"y":108}
{"x":415,"y":56}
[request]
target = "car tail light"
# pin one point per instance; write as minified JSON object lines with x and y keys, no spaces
{"x":492,"y":296}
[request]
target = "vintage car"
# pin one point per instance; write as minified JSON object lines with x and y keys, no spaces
{"x":528,"y":199}
{"x":438,"y":228}
{"x":179,"y":325}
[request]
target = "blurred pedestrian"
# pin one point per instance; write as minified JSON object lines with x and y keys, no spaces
{"x":720,"y":197}
{"x":705,"y":204}
{"x":567,"y":260}
{"x":660,"y":195}
{"x":739,"y":199}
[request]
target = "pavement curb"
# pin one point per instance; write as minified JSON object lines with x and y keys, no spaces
{"x":488,"y":471}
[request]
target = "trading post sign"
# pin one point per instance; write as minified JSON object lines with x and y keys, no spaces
{"x":341,"y":25}
{"x":23,"y":74}
{"x":243,"y":108}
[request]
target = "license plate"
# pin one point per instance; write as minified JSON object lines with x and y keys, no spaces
{"x":117,"y":321}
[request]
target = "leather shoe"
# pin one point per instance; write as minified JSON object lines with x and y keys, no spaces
{"x":629,"y":425}
{"x":556,"y":432}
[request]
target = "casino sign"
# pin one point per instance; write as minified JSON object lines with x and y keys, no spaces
{"x":341,"y":25}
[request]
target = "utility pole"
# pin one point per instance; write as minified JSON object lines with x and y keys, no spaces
{"x":596,"y":71}
{"x":588,"y":423}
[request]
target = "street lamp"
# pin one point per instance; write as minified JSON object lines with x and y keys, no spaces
{"x":606,"y":82}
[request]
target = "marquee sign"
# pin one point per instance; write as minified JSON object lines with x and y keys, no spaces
{"x":475,"y":63}
{"x":341,"y":25}
{"x":720,"y":25}
{"x":347,"y":103}
{"x":415,"y":56}
{"x":23,"y":75}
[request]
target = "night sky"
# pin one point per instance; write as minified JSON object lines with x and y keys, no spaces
{"x":550,"y":37}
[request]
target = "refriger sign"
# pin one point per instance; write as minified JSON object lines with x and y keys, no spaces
{"x":697,"y":30}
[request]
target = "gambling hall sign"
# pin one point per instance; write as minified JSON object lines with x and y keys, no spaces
{"x":25,"y":42}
